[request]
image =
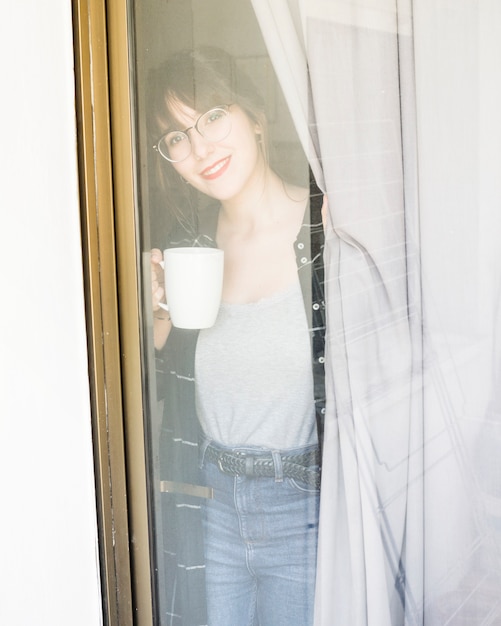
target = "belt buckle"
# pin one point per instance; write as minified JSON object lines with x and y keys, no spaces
{"x":227,"y":467}
{"x":220,"y":462}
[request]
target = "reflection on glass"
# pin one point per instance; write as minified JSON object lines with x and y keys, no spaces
{"x":237,"y":401}
{"x":397,"y":134}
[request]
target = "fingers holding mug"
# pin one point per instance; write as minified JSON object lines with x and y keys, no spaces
{"x":161,"y":319}
{"x":157,"y":279}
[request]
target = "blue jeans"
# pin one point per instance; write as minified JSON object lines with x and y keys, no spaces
{"x":261,"y":544}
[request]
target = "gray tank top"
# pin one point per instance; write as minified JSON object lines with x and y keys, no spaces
{"x":253,"y":376}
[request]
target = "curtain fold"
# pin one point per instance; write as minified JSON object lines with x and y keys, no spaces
{"x":281,"y":24}
{"x":387,"y":97}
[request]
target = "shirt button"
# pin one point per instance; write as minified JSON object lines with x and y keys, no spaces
{"x":322,"y":411}
{"x":304,"y":260}
{"x":316,"y":306}
{"x":321,"y":359}
{"x":300,"y":246}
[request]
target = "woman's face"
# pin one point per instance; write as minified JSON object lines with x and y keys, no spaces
{"x":225,"y":170}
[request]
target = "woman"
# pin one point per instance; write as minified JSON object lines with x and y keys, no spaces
{"x":243,"y":398}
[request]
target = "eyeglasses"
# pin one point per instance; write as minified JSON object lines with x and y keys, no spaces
{"x":215,"y":125}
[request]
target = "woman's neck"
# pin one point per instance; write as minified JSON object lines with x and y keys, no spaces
{"x":259,"y":205}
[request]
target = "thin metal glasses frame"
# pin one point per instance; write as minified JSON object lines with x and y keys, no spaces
{"x":158,"y":146}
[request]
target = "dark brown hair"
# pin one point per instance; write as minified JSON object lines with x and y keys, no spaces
{"x":200,"y":79}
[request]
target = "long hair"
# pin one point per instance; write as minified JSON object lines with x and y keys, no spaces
{"x":200,"y":79}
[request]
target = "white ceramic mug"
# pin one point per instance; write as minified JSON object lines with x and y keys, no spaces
{"x":193,"y":285}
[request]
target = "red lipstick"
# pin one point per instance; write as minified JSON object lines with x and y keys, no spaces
{"x":216,"y":170}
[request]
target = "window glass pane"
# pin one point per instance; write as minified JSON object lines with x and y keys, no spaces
{"x":231,"y":237}
{"x":394,"y":104}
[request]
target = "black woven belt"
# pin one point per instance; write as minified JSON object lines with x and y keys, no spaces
{"x":296,"y":466}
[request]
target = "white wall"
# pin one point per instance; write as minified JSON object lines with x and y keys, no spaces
{"x":48,"y":541}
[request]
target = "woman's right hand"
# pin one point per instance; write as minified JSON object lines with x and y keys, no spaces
{"x":157,"y":280}
{"x":161,"y":318}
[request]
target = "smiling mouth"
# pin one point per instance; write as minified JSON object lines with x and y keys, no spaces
{"x":216,"y":170}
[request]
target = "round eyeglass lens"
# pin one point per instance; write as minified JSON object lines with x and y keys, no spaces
{"x":175,"y":146}
{"x":215,"y":125}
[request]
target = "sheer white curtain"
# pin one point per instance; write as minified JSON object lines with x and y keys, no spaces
{"x":397,"y":103}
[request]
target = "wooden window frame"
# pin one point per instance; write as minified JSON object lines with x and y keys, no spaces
{"x":106,"y":169}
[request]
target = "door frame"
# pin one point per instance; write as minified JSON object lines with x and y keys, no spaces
{"x":102,"y":47}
